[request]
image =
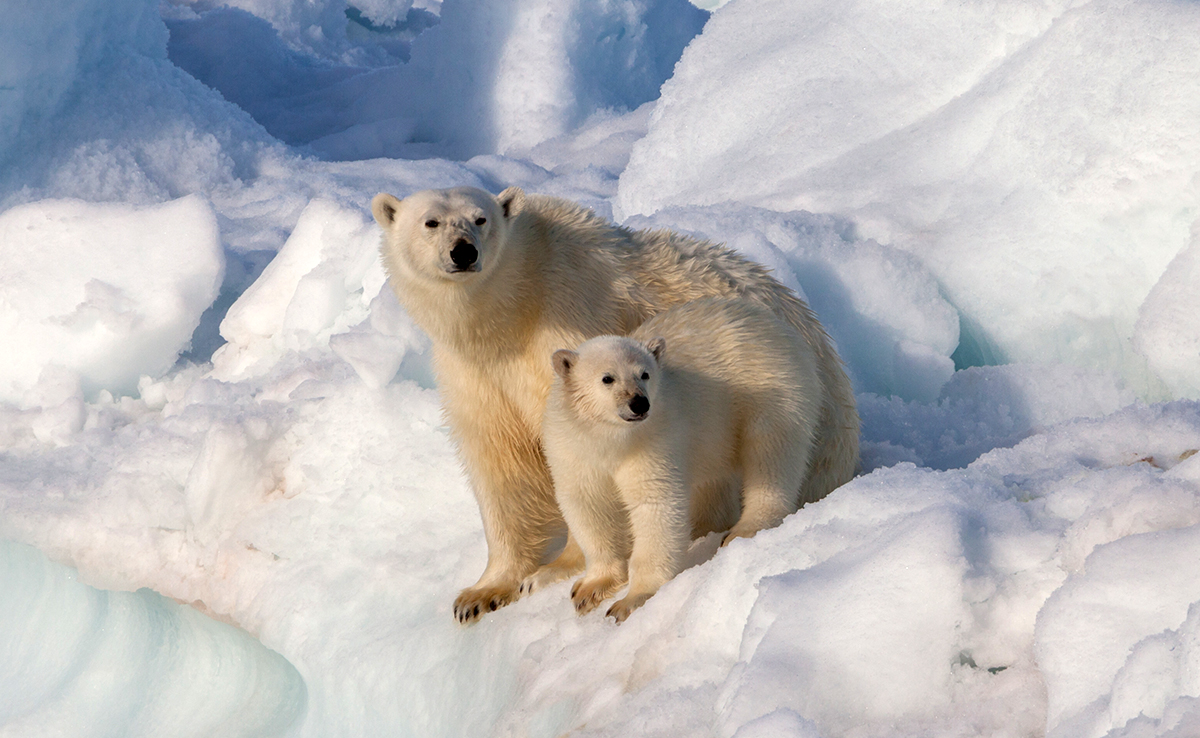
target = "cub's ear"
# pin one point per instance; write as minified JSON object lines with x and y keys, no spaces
{"x":512,"y":201}
{"x":384,"y":207}
{"x":564,"y":360}
{"x":657,"y":346}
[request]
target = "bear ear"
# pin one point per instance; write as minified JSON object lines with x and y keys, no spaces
{"x":564,"y":360}
{"x":657,"y":346}
{"x":512,"y":201}
{"x":384,"y":207}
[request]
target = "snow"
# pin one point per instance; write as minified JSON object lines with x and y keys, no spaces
{"x":1039,"y":159}
{"x":214,"y":409}
{"x":111,"y":292}
{"x":562,"y":61}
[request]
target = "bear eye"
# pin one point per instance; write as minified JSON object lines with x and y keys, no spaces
{"x":431,"y":223}
{"x":480,"y":221}
{"x":645,"y":375}
{"x":607,"y":379}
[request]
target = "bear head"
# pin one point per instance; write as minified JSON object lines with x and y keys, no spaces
{"x":611,"y":380}
{"x":455,"y":235}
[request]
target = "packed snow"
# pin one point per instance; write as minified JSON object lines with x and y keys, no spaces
{"x":229,"y":504}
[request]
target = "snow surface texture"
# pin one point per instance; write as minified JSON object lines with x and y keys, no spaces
{"x":1017,"y":559}
{"x":1040,"y":158}
{"x":110,"y":292}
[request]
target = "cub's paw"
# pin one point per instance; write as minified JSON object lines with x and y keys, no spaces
{"x":589,"y":592}
{"x":544,"y":577}
{"x":739,"y":531}
{"x":475,"y":601}
{"x":624,"y":606}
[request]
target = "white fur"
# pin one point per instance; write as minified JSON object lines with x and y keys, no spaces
{"x":551,"y":274}
{"x":733,"y":401}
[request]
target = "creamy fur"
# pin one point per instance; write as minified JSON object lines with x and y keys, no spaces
{"x":551,"y":274}
{"x":703,"y":419}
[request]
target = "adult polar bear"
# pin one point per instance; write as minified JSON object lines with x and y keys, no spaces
{"x":499,"y":283}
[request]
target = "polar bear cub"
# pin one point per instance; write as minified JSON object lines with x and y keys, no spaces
{"x":703,"y":419}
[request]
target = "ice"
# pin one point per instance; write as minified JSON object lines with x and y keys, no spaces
{"x":110,"y":292}
{"x":81,"y":661}
{"x":209,"y":390}
{"x":1038,"y":159}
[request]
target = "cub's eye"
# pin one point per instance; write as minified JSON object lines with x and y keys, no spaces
{"x":431,"y":223}
{"x":607,"y":379}
{"x":645,"y":375}
{"x":480,"y":221}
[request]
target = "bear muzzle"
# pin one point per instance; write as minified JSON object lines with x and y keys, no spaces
{"x":639,"y":407}
{"x":464,"y":256}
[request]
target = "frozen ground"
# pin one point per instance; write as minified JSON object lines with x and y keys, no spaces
{"x":208,"y":390}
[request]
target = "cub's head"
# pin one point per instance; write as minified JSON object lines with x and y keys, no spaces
{"x":454,"y":235}
{"x":610,"y":379}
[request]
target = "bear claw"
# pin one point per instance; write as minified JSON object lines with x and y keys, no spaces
{"x":471,"y":603}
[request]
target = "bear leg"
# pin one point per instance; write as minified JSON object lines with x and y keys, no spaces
{"x":775,"y":455}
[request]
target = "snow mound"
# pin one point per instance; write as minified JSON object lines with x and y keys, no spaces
{"x":1039,"y":159}
{"x":325,"y":289}
{"x":109,"y":292}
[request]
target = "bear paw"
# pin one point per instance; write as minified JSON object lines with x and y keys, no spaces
{"x":589,"y":592}
{"x":626,"y":605}
{"x":739,"y":531}
{"x":473,"y":602}
{"x":544,"y":577}
{"x":568,"y":563}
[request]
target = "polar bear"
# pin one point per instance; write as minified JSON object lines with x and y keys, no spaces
{"x":499,"y":283}
{"x":701,"y":420}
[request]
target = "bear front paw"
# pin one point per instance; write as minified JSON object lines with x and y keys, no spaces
{"x":473,"y":602}
{"x":739,"y":531}
{"x":626,"y":605}
{"x":589,"y":592}
{"x":545,"y":576}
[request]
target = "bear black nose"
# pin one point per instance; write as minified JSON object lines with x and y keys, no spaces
{"x":639,"y":405}
{"x":463,"y":254}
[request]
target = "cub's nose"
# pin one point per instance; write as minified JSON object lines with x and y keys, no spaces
{"x":639,"y":405}
{"x":464,"y":254}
